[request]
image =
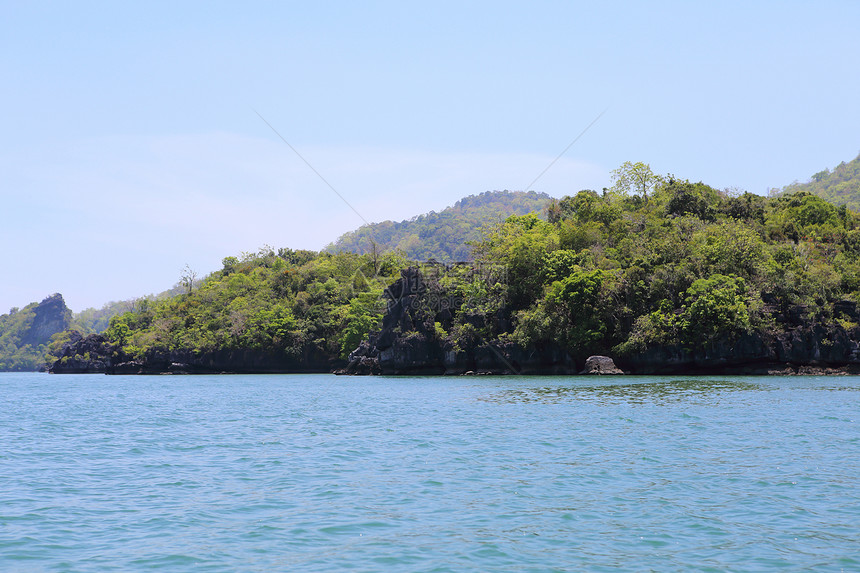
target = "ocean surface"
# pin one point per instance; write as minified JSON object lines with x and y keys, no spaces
{"x":325,"y":473}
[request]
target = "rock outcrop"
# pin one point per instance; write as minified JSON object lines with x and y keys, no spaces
{"x":805,"y":349}
{"x":49,"y":317}
{"x":801,"y":345}
{"x":85,"y":355}
{"x":363,"y":360}
{"x":221,"y":361}
{"x":409,"y":343}
{"x":600,"y":365}
{"x":93,"y":354}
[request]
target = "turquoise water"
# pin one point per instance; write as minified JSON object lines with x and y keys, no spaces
{"x":324,"y":473}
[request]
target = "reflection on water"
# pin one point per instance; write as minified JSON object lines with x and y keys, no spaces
{"x":658,"y":391}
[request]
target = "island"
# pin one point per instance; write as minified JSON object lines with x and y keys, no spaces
{"x":658,"y":274}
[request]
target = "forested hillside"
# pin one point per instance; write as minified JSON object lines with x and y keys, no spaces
{"x":443,"y":236}
{"x":685,"y":265}
{"x":652,"y":267}
{"x":92,"y":320}
{"x":840,"y":186}
{"x":266,"y":311}
{"x":652,"y":263}
{"x":26,"y":332}
{"x":657,"y":272}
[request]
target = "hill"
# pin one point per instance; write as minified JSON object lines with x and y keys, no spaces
{"x":685,"y":278}
{"x":444,"y":235}
{"x":840,"y":186}
{"x":669,"y":276}
{"x":25,"y":333}
{"x":264,"y":312}
{"x":95,"y":320}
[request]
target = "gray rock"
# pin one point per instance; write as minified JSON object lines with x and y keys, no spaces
{"x":600,"y":365}
{"x":49,"y":317}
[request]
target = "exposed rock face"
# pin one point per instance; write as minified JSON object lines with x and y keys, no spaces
{"x":510,"y":358}
{"x":222,"y":361}
{"x":93,"y":354}
{"x":805,"y":349}
{"x":408,"y":343}
{"x":363,"y":360}
{"x":600,"y":365}
{"x":50,"y":317}
{"x":85,"y":355}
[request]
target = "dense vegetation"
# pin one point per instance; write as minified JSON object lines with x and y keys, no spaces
{"x":16,"y":356}
{"x":840,"y":186}
{"x":651,"y":261}
{"x":26,"y":344}
{"x":444,"y":236}
{"x":656,"y":261}
{"x":26,"y":332}
{"x":300,"y":305}
{"x":93,"y":320}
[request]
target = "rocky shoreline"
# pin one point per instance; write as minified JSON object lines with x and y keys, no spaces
{"x":94,"y":354}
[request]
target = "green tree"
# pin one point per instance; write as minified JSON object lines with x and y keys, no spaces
{"x":359,"y":321}
{"x":636,"y":178}
{"x":695,"y":199}
{"x":716,"y":306}
{"x":520,"y":244}
{"x":580,"y":297}
{"x":118,"y":331}
{"x":730,"y":246}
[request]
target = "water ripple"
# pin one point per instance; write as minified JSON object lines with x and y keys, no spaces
{"x":318,"y":473}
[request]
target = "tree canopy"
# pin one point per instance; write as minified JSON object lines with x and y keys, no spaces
{"x":605,"y":272}
{"x":446,"y":235}
{"x":613,"y":273}
{"x":840,"y":186}
{"x":297,"y":304}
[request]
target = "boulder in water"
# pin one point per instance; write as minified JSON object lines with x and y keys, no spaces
{"x":600,"y":365}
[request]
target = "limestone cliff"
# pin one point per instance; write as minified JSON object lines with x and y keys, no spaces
{"x":49,"y":317}
{"x":94,"y":353}
{"x":85,"y":355}
{"x":25,"y":333}
{"x":409,"y":341}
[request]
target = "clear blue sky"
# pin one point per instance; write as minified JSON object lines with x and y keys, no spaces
{"x":131,"y":146}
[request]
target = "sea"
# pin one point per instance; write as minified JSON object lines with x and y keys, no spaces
{"x":429,"y":474}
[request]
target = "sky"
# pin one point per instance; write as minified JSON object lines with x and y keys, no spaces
{"x":134,"y":137}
